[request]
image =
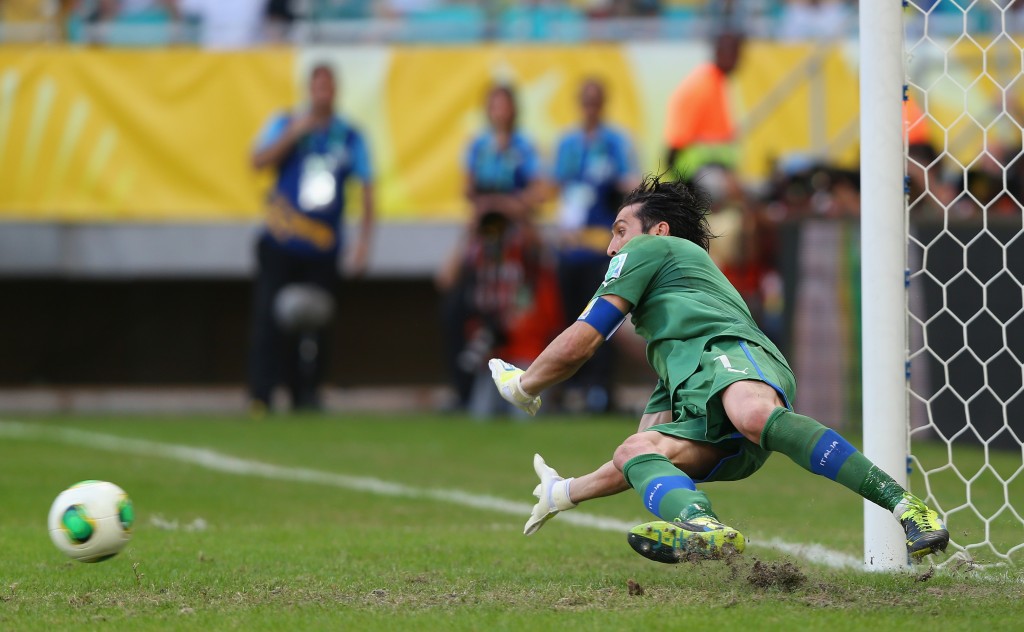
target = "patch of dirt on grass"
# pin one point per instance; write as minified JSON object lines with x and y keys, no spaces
{"x":422,"y":578}
{"x":925,"y":576}
{"x":634,"y":589}
{"x":572,"y":601}
{"x":784,"y":576}
{"x":827,"y":595}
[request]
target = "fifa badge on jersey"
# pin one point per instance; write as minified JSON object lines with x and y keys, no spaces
{"x":615,"y":268}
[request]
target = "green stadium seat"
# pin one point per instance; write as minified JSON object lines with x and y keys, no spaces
{"x":146,"y":28}
{"x":340,"y":9}
{"x":678,"y":21}
{"x":542,"y":23}
{"x":452,"y":23}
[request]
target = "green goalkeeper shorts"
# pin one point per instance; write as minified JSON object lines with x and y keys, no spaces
{"x":697,"y":410}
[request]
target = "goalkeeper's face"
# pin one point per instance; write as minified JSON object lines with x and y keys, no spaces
{"x":627,"y":226}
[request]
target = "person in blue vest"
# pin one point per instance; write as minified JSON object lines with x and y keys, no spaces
{"x":490,"y":277}
{"x":313,"y":152}
{"x":595,"y":166}
{"x":502,"y":166}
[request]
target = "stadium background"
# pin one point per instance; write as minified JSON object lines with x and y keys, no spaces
{"x":128,"y":206}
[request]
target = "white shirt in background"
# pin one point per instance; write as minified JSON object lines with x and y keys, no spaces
{"x":227,"y":24}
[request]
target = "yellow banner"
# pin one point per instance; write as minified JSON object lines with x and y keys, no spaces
{"x":133,"y":135}
{"x":153,"y":135}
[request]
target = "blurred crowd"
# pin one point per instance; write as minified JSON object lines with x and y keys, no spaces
{"x":513,"y":283}
{"x":240,"y":23}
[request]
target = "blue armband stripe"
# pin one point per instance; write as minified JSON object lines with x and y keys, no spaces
{"x":602,"y":316}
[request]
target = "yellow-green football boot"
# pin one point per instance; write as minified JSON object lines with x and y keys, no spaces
{"x":926,"y":533}
{"x":673,"y":542}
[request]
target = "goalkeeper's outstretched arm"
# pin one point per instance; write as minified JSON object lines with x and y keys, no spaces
{"x":563,"y":357}
{"x":571,"y":349}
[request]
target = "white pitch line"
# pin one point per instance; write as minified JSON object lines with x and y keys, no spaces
{"x":220,"y":462}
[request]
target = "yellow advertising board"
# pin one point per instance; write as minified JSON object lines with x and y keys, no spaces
{"x":117,"y":135}
{"x":165,"y":135}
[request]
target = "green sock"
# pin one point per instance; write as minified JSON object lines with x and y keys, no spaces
{"x":666,"y":491}
{"x":823,"y":451}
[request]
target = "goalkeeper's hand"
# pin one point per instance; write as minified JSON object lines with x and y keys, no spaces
{"x":506,"y":378}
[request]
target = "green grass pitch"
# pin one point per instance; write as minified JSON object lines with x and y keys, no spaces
{"x":276,"y":539}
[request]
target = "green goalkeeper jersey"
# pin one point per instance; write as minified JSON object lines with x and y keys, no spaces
{"x":681,"y":302}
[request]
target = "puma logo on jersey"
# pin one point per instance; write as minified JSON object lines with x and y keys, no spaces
{"x":728,"y":365}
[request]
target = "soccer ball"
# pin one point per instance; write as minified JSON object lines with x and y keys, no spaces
{"x":91,"y":521}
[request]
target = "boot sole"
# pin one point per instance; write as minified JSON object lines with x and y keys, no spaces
{"x":666,"y":543}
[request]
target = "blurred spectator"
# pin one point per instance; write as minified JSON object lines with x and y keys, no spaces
{"x":25,"y":11}
{"x":595,"y":166}
{"x":699,"y":127}
{"x":226,"y":24}
{"x":1011,"y":146}
{"x":815,"y":20}
{"x":929,"y":193}
{"x":112,"y":9}
{"x":625,"y":8}
{"x":507,"y":305}
{"x":128,"y":22}
{"x":701,"y":137}
{"x":32,"y":20}
{"x":805,"y":188}
{"x":314,"y":152}
{"x":502,"y":166}
{"x":280,"y":16}
{"x":1013,"y":18}
{"x":404,"y":8}
{"x":500,"y":275}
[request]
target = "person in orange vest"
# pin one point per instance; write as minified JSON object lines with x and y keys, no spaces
{"x":699,"y":128}
{"x":701,"y":139}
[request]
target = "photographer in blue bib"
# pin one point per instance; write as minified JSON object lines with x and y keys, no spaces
{"x":314,"y":152}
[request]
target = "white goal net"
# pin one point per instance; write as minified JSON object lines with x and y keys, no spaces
{"x":965,"y":183}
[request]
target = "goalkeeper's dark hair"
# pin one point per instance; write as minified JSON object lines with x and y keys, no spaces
{"x":682,"y":204}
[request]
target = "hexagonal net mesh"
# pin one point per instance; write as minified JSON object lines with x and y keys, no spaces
{"x":965,"y":181}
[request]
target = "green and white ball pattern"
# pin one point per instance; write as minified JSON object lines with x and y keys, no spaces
{"x":91,"y":521}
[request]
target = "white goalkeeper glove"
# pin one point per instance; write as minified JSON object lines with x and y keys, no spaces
{"x":506,"y":378}
{"x":552,"y":496}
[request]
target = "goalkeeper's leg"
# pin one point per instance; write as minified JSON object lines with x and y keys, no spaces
{"x":656,"y":466}
{"x":757,"y":412}
{"x":555,"y":493}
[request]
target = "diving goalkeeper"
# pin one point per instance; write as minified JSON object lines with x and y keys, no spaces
{"x":722,"y":403}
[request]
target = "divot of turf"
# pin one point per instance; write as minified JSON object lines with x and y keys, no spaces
{"x":782,"y":575}
{"x":634,"y":589}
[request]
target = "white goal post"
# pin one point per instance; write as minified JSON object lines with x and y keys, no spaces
{"x":942,"y":256}
{"x":883,"y":265}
